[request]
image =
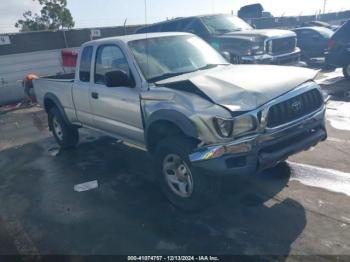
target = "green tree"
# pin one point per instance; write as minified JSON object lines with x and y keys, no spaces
{"x":54,"y":15}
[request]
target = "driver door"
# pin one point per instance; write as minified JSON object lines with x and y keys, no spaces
{"x":116,"y":110}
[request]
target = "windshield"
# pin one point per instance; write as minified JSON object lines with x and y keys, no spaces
{"x":164,"y":57}
{"x":225,"y":23}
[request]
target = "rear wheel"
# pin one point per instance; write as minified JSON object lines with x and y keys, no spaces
{"x":346,"y":71}
{"x":185,"y":186}
{"x":67,"y":136}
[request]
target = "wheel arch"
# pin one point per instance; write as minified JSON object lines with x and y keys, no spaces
{"x":50,"y":101}
{"x":164,"y":123}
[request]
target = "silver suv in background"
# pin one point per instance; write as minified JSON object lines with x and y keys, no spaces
{"x":176,"y":97}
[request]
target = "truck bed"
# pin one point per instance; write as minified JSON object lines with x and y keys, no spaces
{"x":68,"y":76}
{"x":58,"y":86}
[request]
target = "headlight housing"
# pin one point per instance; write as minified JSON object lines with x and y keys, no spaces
{"x":223,"y":126}
{"x":234,"y":127}
{"x":257,"y":49}
{"x":243,"y":124}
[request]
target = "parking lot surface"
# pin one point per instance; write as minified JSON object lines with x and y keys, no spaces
{"x":301,"y":207}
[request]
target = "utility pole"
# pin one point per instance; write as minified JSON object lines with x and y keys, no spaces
{"x":126,"y":19}
{"x":324,"y":6}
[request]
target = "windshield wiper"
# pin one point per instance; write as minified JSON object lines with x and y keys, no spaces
{"x":168,"y":75}
{"x":227,"y":30}
{"x":209,"y":66}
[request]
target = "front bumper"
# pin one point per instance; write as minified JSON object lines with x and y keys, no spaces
{"x":292,"y":58}
{"x":250,"y":155}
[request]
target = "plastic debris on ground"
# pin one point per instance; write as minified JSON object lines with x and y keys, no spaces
{"x":54,"y":151}
{"x":86,"y":186}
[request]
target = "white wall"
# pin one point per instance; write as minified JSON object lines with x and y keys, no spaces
{"x":16,"y":67}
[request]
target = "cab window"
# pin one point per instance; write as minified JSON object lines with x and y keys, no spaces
{"x":85,"y":64}
{"x":109,"y":58}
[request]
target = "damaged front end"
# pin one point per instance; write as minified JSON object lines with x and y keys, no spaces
{"x":238,"y":135}
{"x":298,"y":126}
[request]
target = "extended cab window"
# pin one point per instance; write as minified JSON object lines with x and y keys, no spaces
{"x":85,"y":64}
{"x":109,"y":58}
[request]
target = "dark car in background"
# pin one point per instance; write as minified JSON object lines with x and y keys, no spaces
{"x":313,"y":41}
{"x":231,"y":35}
{"x":320,"y":24}
{"x":338,"y":52}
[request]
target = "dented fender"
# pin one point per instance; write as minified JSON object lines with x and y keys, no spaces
{"x":190,"y":112}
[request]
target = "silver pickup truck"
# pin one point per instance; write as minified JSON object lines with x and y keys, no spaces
{"x":199,"y":116}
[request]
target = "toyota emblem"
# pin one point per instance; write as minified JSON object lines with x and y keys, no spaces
{"x":296,"y":106}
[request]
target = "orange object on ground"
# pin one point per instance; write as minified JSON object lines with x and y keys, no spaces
{"x":30,"y":77}
{"x":28,"y":87}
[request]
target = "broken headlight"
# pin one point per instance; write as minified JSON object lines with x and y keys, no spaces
{"x":223,"y":126}
{"x":243,"y":124}
{"x":234,"y":127}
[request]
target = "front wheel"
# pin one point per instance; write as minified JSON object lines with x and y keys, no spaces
{"x":66,"y":135}
{"x":185,"y":186}
{"x":346,"y":71}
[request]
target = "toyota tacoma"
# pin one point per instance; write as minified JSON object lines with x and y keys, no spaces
{"x":176,"y":97}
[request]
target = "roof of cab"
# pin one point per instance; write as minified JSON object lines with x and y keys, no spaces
{"x":128,"y":38}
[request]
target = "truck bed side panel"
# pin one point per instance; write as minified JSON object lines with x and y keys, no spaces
{"x":62,"y":89}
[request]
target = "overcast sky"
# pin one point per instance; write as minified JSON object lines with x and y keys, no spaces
{"x":94,"y":13}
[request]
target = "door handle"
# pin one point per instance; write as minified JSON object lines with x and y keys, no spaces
{"x":94,"y":95}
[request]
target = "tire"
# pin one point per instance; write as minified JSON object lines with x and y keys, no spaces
{"x":66,"y":135}
{"x":201,"y":190}
{"x":346,"y":71}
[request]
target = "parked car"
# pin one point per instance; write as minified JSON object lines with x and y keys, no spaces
{"x":176,"y":97}
{"x":319,"y":24}
{"x":313,"y":41}
{"x":230,"y":34}
{"x":338,"y":52}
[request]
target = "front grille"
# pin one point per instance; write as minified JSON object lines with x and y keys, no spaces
{"x":294,"y":108}
{"x":282,"y":45}
{"x":289,"y":59}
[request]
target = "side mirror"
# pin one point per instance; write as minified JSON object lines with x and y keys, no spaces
{"x":117,"y":78}
{"x":226,"y":55}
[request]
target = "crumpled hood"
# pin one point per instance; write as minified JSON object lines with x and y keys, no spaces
{"x":244,"y":87}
